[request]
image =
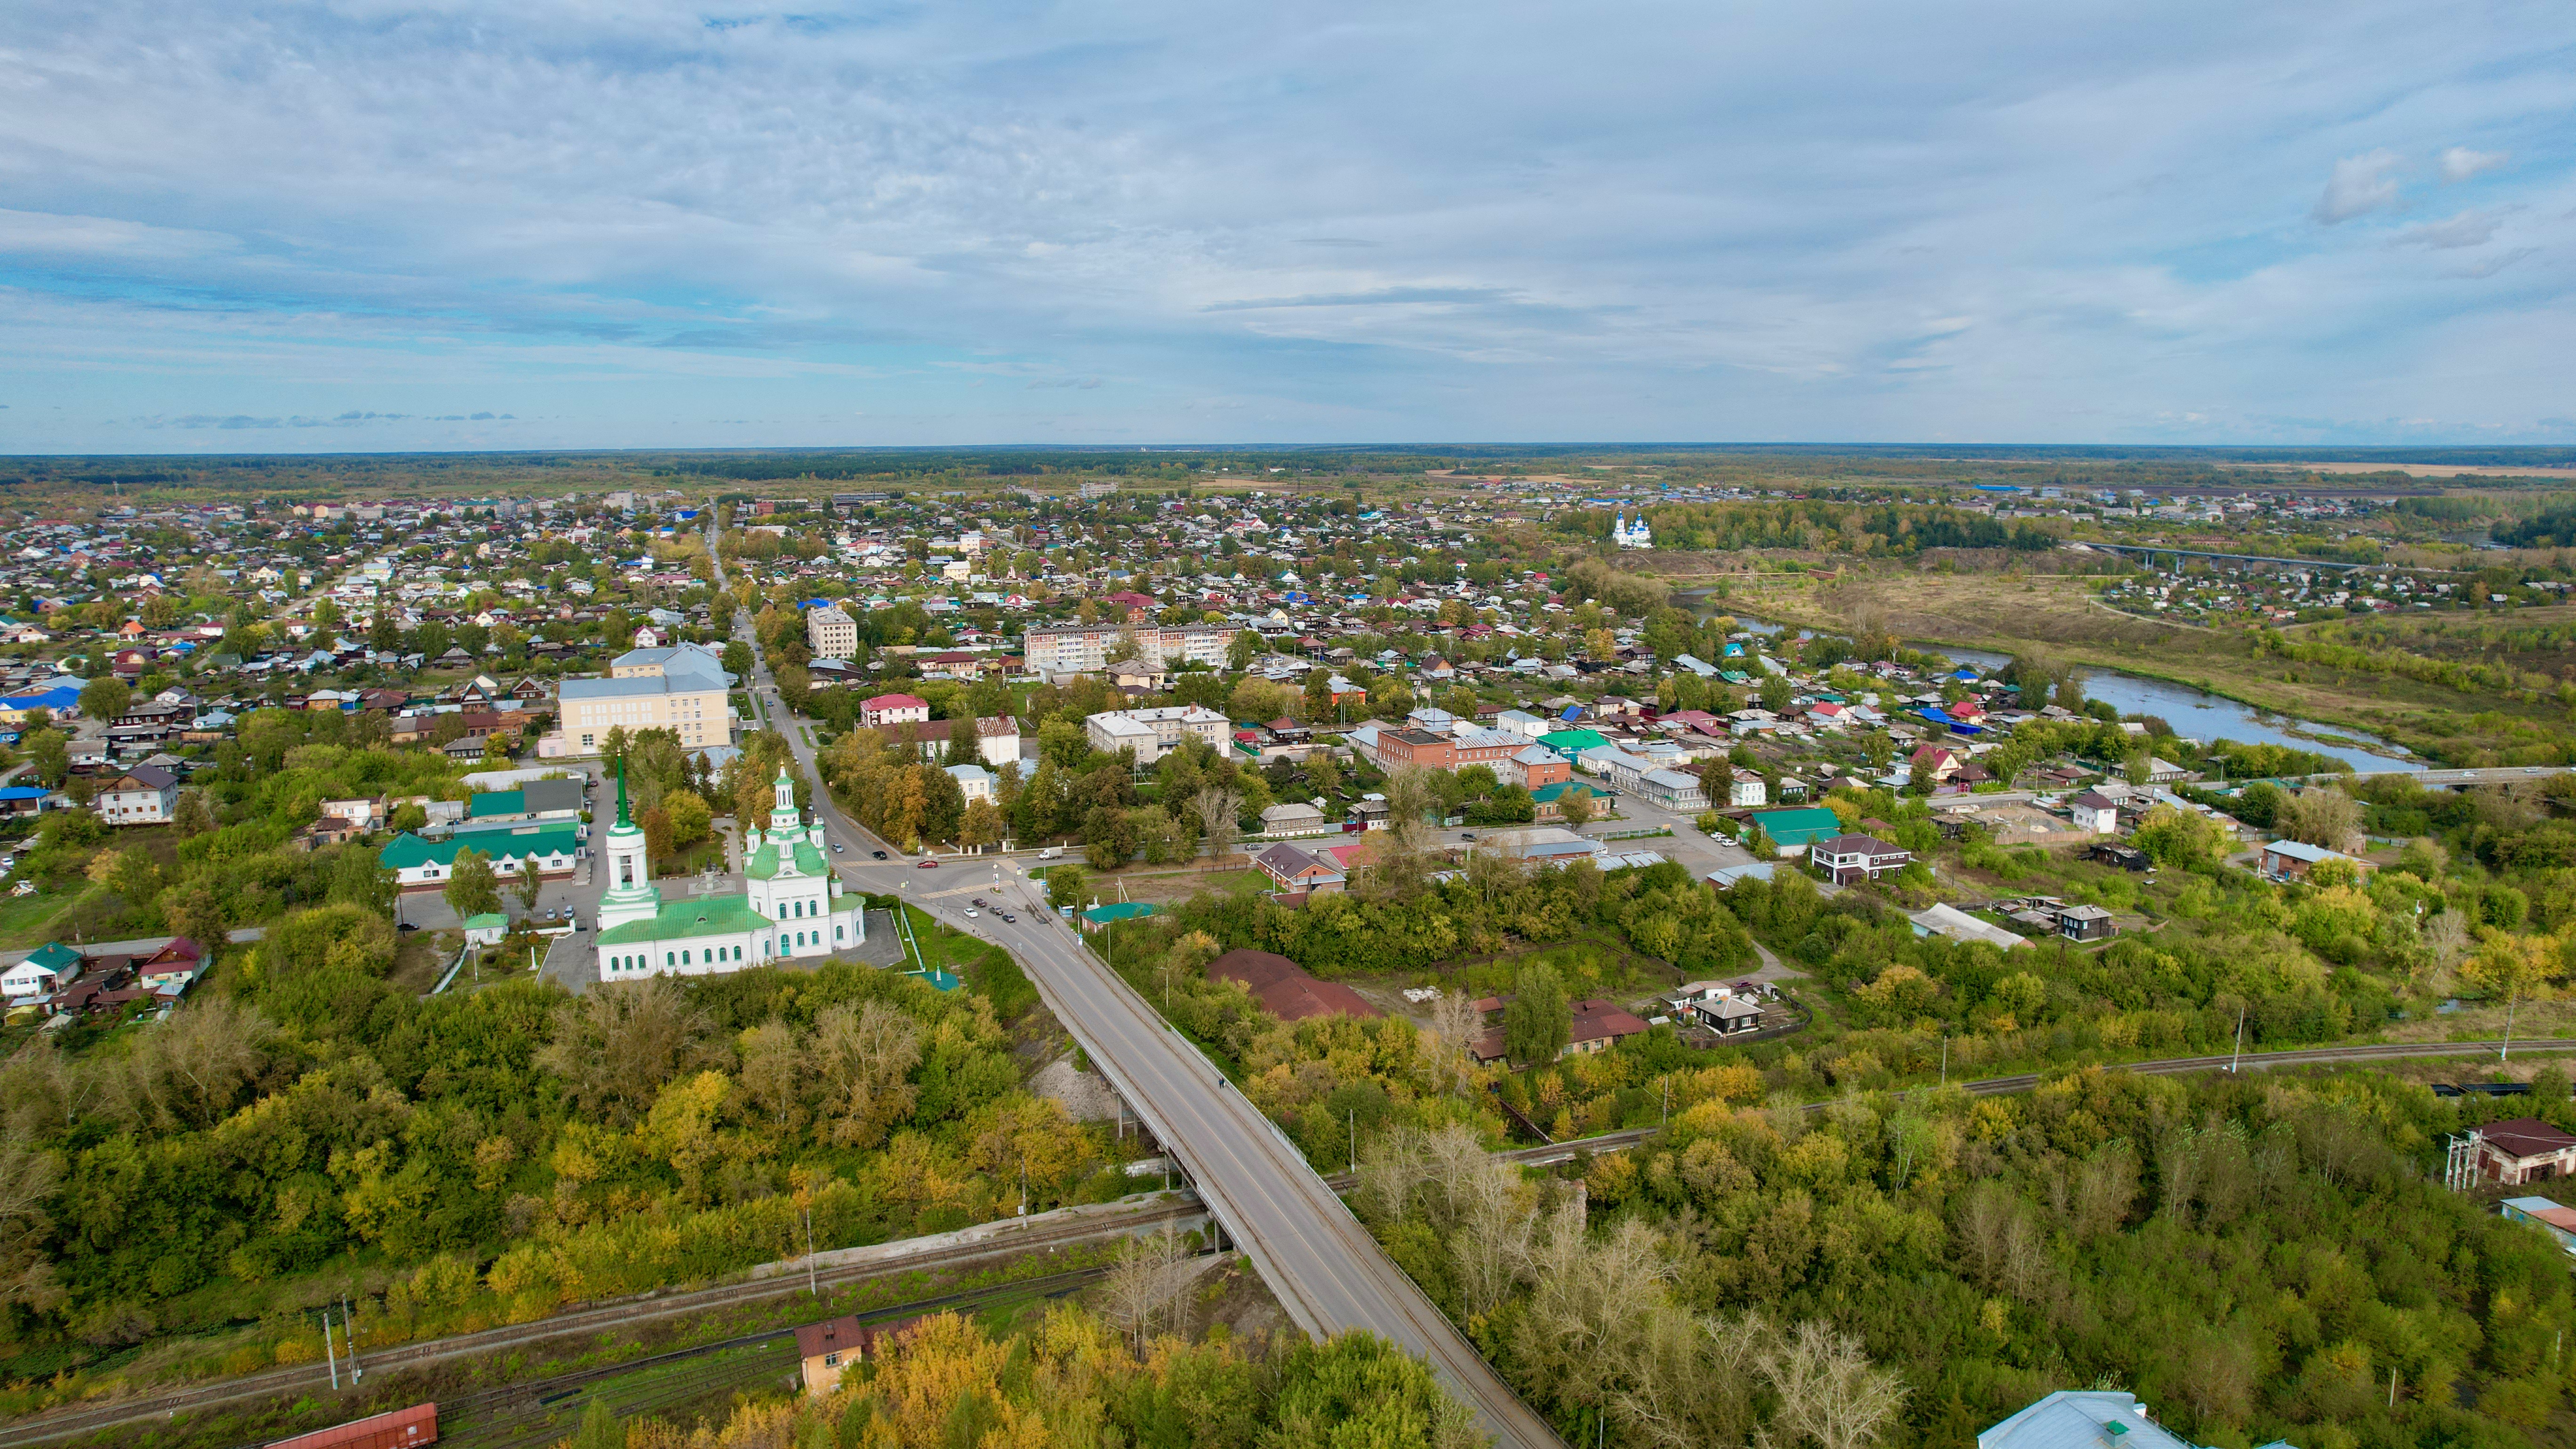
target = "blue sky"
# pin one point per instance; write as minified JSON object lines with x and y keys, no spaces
{"x":361,"y":226}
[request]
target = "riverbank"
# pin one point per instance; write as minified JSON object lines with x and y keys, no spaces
{"x":2399,"y":720}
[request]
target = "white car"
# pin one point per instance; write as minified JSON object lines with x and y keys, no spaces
{"x":970,"y":913}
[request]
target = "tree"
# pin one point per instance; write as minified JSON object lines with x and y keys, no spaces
{"x":2512,"y":967}
{"x":1064,"y":885}
{"x":1539,"y":1022}
{"x":1143,"y":1286}
{"x":1576,"y":804}
{"x":105,"y":697}
{"x":472,"y":888}
{"x":2320,"y":815}
{"x":529,"y":884}
{"x":192,"y":816}
{"x":1828,"y":1389}
{"x":1109,"y":838}
{"x":600,"y":1427}
{"x":1217,"y":807}
{"x":50,"y":754}
{"x":691,"y":817}
{"x":981,"y":826}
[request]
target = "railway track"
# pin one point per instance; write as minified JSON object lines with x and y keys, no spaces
{"x":315,"y":1379}
{"x":542,"y":1411}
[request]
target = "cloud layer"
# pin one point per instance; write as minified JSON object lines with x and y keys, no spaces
{"x":474,"y":224}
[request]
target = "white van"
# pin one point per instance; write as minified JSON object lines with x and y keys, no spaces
{"x":1052,"y":852}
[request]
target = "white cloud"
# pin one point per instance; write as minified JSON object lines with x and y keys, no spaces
{"x":2360,"y":185}
{"x":2468,"y":229}
{"x":2460,"y":163}
{"x":619,"y":216}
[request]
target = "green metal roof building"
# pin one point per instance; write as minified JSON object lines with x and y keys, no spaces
{"x":1799,"y":828}
{"x":417,"y":861}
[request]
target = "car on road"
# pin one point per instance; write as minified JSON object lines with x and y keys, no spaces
{"x":1466,"y":835}
{"x":876,"y":855}
{"x":970,"y":913}
{"x":927,"y":865}
{"x":1005,"y":915}
{"x":977,"y":903}
{"x":836,"y":847}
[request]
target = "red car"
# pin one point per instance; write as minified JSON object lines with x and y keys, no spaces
{"x":927,"y":865}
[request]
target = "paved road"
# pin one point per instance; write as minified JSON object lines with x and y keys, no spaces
{"x":1324,"y":1267}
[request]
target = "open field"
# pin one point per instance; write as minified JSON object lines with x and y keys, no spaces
{"x":2411,"y":470}
{"x":2055,"y":615}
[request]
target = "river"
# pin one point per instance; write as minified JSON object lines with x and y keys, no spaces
{"x":2193,"y":714}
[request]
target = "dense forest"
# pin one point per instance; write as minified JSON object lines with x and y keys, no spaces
{"x":2255,"y":1258}
{"x":470,"y":1158}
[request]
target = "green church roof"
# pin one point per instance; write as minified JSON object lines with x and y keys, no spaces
{"x":679,"y":920}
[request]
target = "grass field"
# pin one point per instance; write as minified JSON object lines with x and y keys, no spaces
{"x":25,"y":920}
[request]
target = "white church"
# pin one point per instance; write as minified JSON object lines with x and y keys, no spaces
{"x":1629,"y":534}
{"x":791,"y":904}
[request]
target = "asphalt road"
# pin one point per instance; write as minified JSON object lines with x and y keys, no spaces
{"x":1327,"y":1272}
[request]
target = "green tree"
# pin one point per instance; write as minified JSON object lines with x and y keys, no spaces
{"x":192,"y":816}
{"x":1064,"y":884}
{"x":104,"y":698}
{"x":1540,"y":1021}
{"x":528,"y":885}
{"x":473,"y":889}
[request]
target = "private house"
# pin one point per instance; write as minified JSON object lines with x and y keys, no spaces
{"x":144,"y":795}
{"x":1296,"y":818}
{"x":829,"y":1348}
{"x":1746,"y":790}
{"x":1727,"y":1014}
{"x":1598,"y":1026}
{"x":47,"y":969}
{"x":1295,"y":871}
{"x":2094,"y":811}
{"x":2085,"y":923}
{"x":2293,"y":859}
{"x":2521,"y":1150}
{"x":1284,"y":988}
{"x":1847,"y":858}
{"x":1137,"y":675}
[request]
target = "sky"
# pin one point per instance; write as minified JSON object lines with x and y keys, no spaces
{"x":364,"y":226}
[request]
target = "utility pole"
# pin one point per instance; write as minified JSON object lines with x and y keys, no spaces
{"x":811,"y":1289}
{"x":328,"y":1351}
{"x":2505,"y":1053}
{"x":349,"y":1331}
{"x":2240,"y":1042}
{"x":1355,"y":1141}
{"x":1945,"y":1061}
